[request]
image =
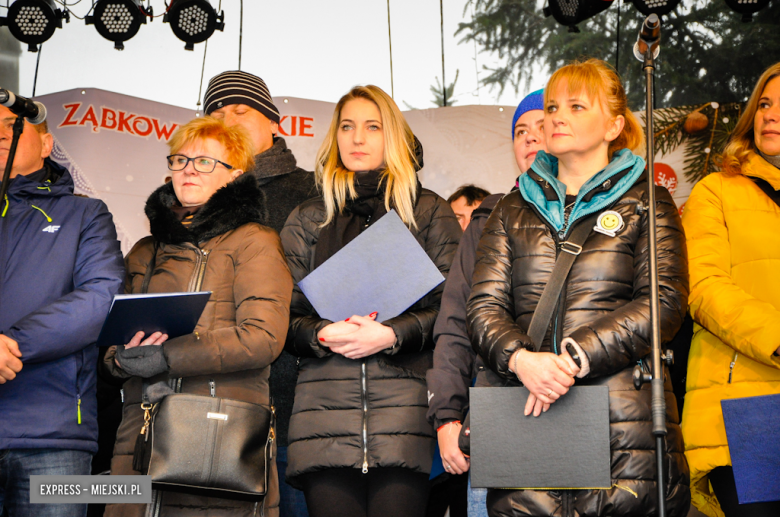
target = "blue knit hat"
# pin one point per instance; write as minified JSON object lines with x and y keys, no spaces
{"x":532,"y":101}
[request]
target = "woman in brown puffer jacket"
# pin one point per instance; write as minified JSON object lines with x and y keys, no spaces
{"x":603,"y":312}
{"x":360,"y":444}
{"x":208,"y":235}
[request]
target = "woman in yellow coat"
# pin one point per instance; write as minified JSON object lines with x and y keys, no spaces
{"x":731,"y":226}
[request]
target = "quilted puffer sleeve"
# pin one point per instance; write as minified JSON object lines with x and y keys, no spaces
{"x":299,"y":236}
{"x":414,"y":328}
{"x":490,"y":310}
{"x":743,"y":322}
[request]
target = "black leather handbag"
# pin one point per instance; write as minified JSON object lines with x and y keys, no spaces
{"x":204,"y":445}
{"x":211,"y":446}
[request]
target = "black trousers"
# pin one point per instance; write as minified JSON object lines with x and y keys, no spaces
{"x":383,"y":492}
{"x":722,"y":479}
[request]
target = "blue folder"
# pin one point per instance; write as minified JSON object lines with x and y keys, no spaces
{"x":383,"y":269}
{"x":175,"y":314}
{"x":753,"y":431}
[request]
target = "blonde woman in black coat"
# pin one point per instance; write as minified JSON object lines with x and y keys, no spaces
{"x":360,"y":444}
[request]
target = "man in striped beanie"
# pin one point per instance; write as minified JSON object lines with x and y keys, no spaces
{"x":243,"y":99}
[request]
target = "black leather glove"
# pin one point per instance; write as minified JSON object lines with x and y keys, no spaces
{"x":142,"y":361}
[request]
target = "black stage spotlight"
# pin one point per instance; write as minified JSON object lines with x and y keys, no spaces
{"x":33,"y":21}
{"x":659,"y":7}
{"x":193,"y":21}
{"x":117,"y":20}
{"x":747,"y":7}
{"x":572,"y":12}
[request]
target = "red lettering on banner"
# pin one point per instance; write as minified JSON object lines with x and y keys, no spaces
{"x":163,"y":130}
{"x":124,"y":122}
{"x":107,"y":122}
{"x":90,"y":117}
{"x":281,"y":129}
{"x":145,"y":132}
{"x":118,"y":120}
{"x":293,"y":126}
{"x":72,"y":109}
{"x":304,"y":126}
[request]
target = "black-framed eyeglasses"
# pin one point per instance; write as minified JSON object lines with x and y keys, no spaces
{"x":204,"y":164}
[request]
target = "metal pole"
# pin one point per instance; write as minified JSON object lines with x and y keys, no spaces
{"x":390,"y":39}
{"x":443,"y":81}
{"x":17,"y":132}
{"x":657,"y":383}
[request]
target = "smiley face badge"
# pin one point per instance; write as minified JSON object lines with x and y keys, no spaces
{"x":609,"y":223}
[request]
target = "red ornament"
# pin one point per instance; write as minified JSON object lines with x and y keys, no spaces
{"x":665,"y":177}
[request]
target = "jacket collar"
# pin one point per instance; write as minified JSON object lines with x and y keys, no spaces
{"x":237,"y":203}
{"x":60,"y":182}
{"x":541,"y":187}
{"x":758,"y":167}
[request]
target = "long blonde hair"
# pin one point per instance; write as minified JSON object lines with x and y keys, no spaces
{"x":400,"y":177}
{"x":601,"y":83}
{"x":742,"y":141}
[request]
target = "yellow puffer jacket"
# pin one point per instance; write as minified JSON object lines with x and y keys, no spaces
{"x":734,"y":256}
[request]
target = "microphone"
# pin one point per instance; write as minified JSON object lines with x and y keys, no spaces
{"x":649,"y":37}
{"x":33,"y":111}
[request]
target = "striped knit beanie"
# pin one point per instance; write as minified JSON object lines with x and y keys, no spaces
{"x":236,"y":87}
{"x":532,"y":101}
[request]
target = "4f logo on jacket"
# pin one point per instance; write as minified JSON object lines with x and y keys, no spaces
{"x":51,"y":228}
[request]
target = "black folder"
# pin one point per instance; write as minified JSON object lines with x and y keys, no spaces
{"x":566,"y":447}
{"x":175,"y":314}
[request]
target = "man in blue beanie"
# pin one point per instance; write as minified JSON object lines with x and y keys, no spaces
{"x":454,"y":362}
{"x":527,"y":133}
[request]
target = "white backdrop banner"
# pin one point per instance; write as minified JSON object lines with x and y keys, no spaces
{"x":115,"y":146}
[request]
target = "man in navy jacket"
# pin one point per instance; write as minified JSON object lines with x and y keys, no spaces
{"x":60,"y":266}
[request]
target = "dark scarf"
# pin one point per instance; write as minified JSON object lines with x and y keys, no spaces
{"x":273,"y":162}
{"x":182,"y":212}
{"x":239,"y":202}
{"x":358,"y":213}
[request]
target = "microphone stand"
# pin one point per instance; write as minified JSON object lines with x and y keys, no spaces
{"x":17,"y":133}
{"x":657,"y":378}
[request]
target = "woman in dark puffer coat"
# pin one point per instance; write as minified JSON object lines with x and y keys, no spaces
{"x":604,"y":311}
{"x":359,"y":442}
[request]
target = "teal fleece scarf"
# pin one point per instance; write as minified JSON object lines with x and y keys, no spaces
{"x":546,"y":166}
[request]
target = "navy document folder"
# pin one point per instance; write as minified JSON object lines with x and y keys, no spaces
{"x":383,"y":269}
{"x":566,"y":447}
{"x":753,"y":432}
{"x":175,"y":314}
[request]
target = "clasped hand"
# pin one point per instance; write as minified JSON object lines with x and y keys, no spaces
{"x":547,"y":376}
{"x":357,"y":337}
{"x":156,"y":338}
{"x":10,"y":359}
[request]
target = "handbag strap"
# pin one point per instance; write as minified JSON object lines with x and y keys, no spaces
{"x":764,"y":185}
{"x":145,"y":288}
{"x":150,"y":268}
{"x":570,"y":249}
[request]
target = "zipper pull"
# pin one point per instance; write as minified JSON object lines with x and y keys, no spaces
{"x":626,"y":489}
{"x":122,"y":395}
{"x":212,"y":388}
{"x":365,"y":467}
{"x":78,"y":410}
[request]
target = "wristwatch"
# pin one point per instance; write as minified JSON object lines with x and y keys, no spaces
{"x":574,"y":354}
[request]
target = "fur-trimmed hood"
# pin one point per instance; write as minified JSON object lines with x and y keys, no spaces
{"x":239,"y":202}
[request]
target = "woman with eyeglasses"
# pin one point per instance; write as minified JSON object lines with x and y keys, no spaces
{"x":207,"y":235}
